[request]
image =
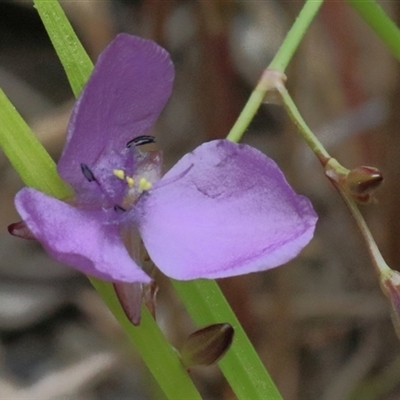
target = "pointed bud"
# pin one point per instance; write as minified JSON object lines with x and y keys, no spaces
{"x":21,"y":230}
{"x":390,"y":285}
{"x":130,"y":297}
{"x":207,"y":345}
{"x":362,"y":181}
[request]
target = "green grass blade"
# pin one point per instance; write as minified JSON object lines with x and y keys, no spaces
{"x":24,"y":151}
{"x":379,"y":21}
{"x":295,"y":35}
{"x":70,"y":51}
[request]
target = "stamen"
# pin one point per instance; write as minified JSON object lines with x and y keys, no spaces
{"x":118,"y":209}
{"x":144,"y":184}
{"x":141,"y":140}
{"x":119,"y":173}
{"x":87,"y":173}
{"x":130,"y":182}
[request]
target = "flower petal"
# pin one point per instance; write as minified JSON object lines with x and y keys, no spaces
{"x":78,"y":238}
{"x":130,"y":84}
{"x":232,"y":212}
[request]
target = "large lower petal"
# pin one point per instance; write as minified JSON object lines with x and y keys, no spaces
{"x":130,"y":84}
{"x":78,"y":238}
{"x":223,"y":210}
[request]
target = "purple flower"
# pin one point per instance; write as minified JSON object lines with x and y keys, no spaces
{"x":224,"y":209}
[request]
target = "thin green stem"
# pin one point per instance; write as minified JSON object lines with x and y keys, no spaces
{"x":295,"y":35}
{"x":379,"y":21}
{"x":241,"y":365}
{"x":378,"y":261}
{"x":279,"y":63}
{"x":247,"y":115}
{"x":307,"y":134}
{"x":319,"y":150}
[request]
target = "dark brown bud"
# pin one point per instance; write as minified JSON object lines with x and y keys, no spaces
{"x":362,"y":181}
{"x":130,"y":297}
{"x":21,"y":230}
{"x":207,"y":345}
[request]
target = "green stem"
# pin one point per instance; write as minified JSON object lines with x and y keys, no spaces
{"x":279,"y":63}
{"x":295,"y":35}
{"x":240,"y":365}
{"x":247,"y":115}
{"x":307,"y":134}
{"x":379,"y":21}
{"x":378,"y":261}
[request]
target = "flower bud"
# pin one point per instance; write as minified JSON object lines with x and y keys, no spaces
{"x":21,"y":230}
{"x":362,"y":181}
{"x":207,"y":345}
{"x":390,"y":285}
{"x":130,"y":297}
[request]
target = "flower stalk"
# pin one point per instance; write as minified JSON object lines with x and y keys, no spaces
{"x":335,"y":172}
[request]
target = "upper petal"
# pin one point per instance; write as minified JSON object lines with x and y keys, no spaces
{"x":129,"y":86}
{"x":223,"y":210}
{"x":79,"y":238}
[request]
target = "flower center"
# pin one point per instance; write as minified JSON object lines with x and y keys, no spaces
{"x":136,"y":186}
{"x":118,"y":179}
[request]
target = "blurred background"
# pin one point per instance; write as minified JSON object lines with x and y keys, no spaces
{"x":320,"y":323}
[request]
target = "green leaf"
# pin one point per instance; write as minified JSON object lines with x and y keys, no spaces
{"x":26,"y":154}
{"x":69,"y":49}
{"x":380,"y":23}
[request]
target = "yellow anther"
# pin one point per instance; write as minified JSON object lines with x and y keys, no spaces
{"x":144,"y":184}
{"x":119,"y":173}
{"x":129,"y":181}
